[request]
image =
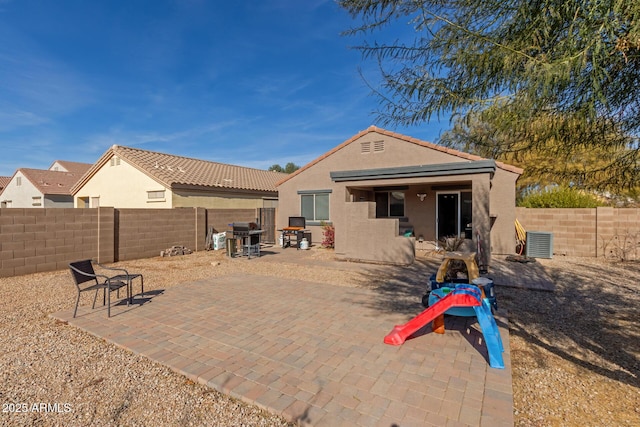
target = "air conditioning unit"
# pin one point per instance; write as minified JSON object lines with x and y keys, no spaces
{"x":539,"y":244}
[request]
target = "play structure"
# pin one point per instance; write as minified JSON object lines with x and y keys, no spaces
{"x":447,"y":277}
{"x":459,"y":292}
{"x":461,"y":296}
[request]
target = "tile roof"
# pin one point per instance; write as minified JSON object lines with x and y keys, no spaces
{"x":381,"y":131}
{"x":51,"y":182}
{"x":4,"y":181}
{"x":177,"y":171}
{"x":73,"y":167}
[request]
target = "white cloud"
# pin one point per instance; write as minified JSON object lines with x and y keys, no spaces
{"x":34,"y":86}
{"x":154,"y":140}
{"x":11,"y":119}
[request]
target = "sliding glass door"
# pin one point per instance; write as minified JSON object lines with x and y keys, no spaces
{"x":454,"y":214}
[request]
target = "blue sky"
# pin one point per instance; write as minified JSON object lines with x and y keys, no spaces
{"x":245,"y":82}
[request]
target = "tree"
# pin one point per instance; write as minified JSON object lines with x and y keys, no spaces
{"x":552,"y":70}
{"x":560,"y":197}
{"x":288,"y":168}
{"x":545,"y":164}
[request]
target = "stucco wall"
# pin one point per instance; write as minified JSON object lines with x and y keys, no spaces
{"x":503,"y":212}
{"x":374,"y":239}
{"x":123,"y":186}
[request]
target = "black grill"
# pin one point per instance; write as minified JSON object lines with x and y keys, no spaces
{"x":243,"y":230}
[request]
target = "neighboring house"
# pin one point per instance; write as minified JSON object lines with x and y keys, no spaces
{"x":126,"y":177}
{"x":73,"y":167}
{"x":379,"y":186}
{"x":40,"y":188}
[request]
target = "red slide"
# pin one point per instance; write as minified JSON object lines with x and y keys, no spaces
{"x":401,"y":332}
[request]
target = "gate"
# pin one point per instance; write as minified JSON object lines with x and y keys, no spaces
{"x":268,"y":224}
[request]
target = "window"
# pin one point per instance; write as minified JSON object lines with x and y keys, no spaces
{"x":36,"y":201}
{"x":95,"y":202}
{"x":389,"y":204}
{"x":314,"y":206}
{"x":155,"y":195}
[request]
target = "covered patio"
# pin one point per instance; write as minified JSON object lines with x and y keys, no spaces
{"x":394,"y":211}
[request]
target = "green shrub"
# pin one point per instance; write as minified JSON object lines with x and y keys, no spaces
{"x":560,"y":197}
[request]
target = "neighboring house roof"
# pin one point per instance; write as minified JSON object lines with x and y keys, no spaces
{"x":177,"y":171}
{"x":73,"y":167}
{"x":4,"y":181}
{"x":412,"y":140}
{"x":50,"y":182}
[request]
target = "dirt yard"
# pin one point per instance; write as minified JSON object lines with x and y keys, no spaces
{"x":576,"y":351}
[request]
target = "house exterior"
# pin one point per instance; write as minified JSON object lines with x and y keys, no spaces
{"x":43,"y":188}
{"x":126,"y":177}
{"x":385,"y":193}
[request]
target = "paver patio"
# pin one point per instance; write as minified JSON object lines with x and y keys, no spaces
{"x":312,"y":352}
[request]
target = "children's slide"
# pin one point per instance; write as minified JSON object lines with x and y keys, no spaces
{"x":462,"y":296}
{"x":491,"y":333}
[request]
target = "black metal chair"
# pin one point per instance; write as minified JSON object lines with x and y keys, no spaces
{"x":126,"y":276}
{"x":86,"y":280}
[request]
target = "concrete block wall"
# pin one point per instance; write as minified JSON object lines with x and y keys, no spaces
{"x":106,"y":235}
{"x":34,"y":239}
{"x":143,"y":233}
{"x":626,"y":228}
{"x":583,"y":232}
{"x":605,"y":231}
{"x":220,"y":219}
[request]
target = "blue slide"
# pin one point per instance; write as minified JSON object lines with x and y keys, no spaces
{"x":491,"y":333}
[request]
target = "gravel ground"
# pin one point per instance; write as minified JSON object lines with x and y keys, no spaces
{"x":575,"y":352}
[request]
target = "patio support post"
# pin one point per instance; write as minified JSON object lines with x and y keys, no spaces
{"x":481,"y":186}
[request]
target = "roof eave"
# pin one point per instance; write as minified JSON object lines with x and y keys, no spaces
{"x":442,"y":169}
